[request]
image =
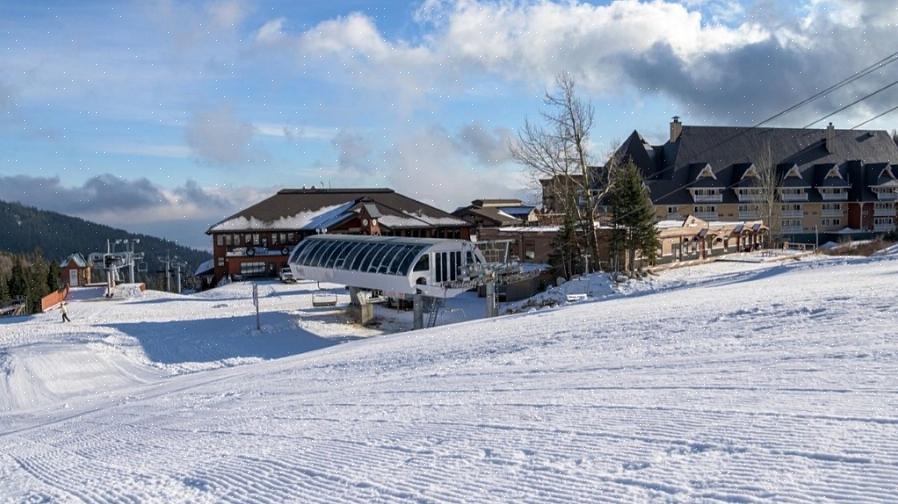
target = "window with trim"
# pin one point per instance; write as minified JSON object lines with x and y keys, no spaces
{"x":705,"y":209}
{"x":884,"y":206}
{"x":671,"y":210}
{"x":883,"y":221}
{"x":832,"y":206}
{"x":228,"y":240}
{"x":830,"y":222}
{"x":219,"y":240}
{"x":221,"y":261}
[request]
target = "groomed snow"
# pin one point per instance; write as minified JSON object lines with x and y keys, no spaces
{"x":734,"y":382}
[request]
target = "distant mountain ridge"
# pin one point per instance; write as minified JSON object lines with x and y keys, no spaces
{"x":23,"y":228}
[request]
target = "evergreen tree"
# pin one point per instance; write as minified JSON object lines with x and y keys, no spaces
{"x":567,"y":249}
{"x":37,"y":287}
{"x":17,"y":281}
{"x":5,"y":297}
{"x":53,"y":282}
{"x":634,"y":218}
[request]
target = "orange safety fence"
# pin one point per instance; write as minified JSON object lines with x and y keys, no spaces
{"x":54,"y":298}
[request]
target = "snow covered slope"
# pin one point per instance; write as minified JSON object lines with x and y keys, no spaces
{"x":729,"y":382}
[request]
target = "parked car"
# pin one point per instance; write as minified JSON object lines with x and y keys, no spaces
{"x":287,"y":275}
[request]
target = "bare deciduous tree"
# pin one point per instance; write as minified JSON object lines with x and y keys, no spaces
{"x":769,"y":182}
{"x":558,"y":150}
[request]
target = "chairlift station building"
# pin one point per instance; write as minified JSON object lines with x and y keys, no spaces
{"x":258,"y":240}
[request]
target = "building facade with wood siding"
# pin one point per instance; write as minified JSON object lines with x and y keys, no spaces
{"x":257,"y":240}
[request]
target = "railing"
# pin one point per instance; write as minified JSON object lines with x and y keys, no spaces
{"x":794,"y":197}
{"x":831,"y":212}
{"x":887,"y":196}
{"x":793,"y":213}
{"x":706,"y":215}
{"x":707,"y":198}
{"x":883,"y":228}
{"x":842,"y":196}
{"x":792,"y":229}
{"x":749,"y":214}
{"x":884,"y":212}
{"x":749,"y":196}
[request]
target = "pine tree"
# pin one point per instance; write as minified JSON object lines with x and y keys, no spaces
{"x":5,"y":297}
{"x":634,"y":218}
{"x":567,"y":249}
{"x":17,"y":281}
{"x":53,"y":276}
{"x":37,"y":288}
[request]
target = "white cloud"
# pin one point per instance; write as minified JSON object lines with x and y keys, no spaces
{"x":216,"y":135}
{"x":150,"y":150}
{"x":272,"y":32}
{"x":227,"y":13}
{"x":294,"y":132}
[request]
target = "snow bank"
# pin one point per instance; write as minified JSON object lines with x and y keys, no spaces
{"x":730,"y":382}
{"x":595,"y":286}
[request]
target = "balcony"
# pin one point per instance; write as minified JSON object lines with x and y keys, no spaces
{"x":886,"y":195}
{"x":840,"y":196}
{"x":794,"y":197}
{"x":749,"y":196}
{"x":706,"y":215}
{"x":883,"y":228}
{"x":884,"y":212}
{"x":707,"y":198}
{"x":794,"y":213}
{"x":791,"y":229}
{"x":749,"y":214}
{"x":832,"y":212}
{"x":257,"y":251}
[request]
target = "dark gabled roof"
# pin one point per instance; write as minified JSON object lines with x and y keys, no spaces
{"x":493,"y":214}
{"x":670,"y":168}
{"x":309,"y":209}
{"x":495,"y":202}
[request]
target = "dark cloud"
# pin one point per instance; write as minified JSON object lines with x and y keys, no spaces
{"x":101,"y":193}
{"x":487,"y":146}
{"x":752,"y":82}
{"x":193,"y":193}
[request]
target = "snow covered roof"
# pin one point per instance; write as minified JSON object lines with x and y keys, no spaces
{"x":311,"y":209}
{"x":79,"y":260}
{"x":205,"y":268}
{"x":305,"y":220}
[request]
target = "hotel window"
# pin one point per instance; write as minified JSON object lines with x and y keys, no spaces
{"x":274,"y":238}
{"x":884,"y":206}
{"x":256,"y":240}
{"x":219,"y":239}
{"x":282,"y":237}
{"x":228,"y":240}
{"x":238,"y":241}
{"x":832,"y":206}
{"x":291,"y":237}
{"x":830,"y":222}
{"x":705,"y":209}
{"x":248,"y":239}
{"x":221,"y":261}
{"x":672,"y":210}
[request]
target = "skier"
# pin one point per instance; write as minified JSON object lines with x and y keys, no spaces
{"x":65,"y":312}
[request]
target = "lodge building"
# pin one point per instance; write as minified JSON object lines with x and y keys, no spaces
{"x":831,"y":182}
{"x":257,"y":240}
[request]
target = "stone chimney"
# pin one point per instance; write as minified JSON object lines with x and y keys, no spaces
{"x":830,"y":138}
{"x":676,"y":127}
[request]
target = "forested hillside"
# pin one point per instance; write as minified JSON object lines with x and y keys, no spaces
{"x":24,"y":229}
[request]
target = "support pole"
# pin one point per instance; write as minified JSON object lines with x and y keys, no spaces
{"x":418,"y":309}
{"x":491,"y":307}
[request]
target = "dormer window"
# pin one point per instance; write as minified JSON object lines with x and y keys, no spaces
{"x":834,"y":173}
{"x":793,"y":172}
{"x":706,"y":172}
{"x":707,"y":194}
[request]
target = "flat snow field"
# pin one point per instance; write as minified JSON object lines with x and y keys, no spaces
{"x":733,"y":382}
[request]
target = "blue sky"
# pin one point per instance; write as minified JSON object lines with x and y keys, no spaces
{"x":165,"y":116}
